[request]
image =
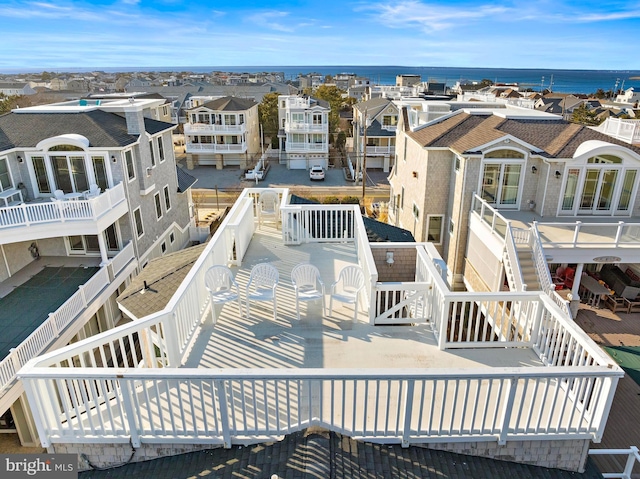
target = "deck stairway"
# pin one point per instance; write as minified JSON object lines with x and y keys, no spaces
{"x":527,"y":267}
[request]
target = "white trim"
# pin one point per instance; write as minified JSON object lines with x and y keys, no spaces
{"x":126,"y":166}
{"x":167,"y":195}
{"x":157,"y":205}
{"x":442,"y":217}
{"x":135,"y":225}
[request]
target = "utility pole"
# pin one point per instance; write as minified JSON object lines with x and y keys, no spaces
{"x":364,"y":157}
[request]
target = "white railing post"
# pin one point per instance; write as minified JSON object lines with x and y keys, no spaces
{"x":619,"y":232}
{"x":173,"y":353}
{"x":54,"y":326}
{"x":408,"y":412}
{"x":128,"y":408}
{"x":443,"y":322}
{"x":506,"y":412}
{"x":36,"y":409}
{"x":631,"y":461}
{"x":221,"y":393}
{"x":15,"y":360}
{"x":576,"y":232}
{"x":82,"y":295}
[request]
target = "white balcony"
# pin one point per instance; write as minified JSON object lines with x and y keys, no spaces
{"x":450,"y":366}
{"x":46,"y":219}
{"x":624,"y":130}
{"x":213,"y":129}
{"x":213,"y":148}
{"x":579,"y":241}
{"x":292,"y":147}
{"x":58,"y":327}
{"x":291,"y":127}
{"x":380,"y":150}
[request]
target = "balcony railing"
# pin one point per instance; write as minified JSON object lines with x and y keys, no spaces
{"x":199,"y":128}
{"x":301,"y":147}
{"x":27,"y":214}
{"x":298,"y":127}
{"x":213,"y":148}
{"x":92,"y":392}
{"x":578,"y":234}
{"x":625,"y":130}
{"x":50,"y":329}
{"x":380,"y":150}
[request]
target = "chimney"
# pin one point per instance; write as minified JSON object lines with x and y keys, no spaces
{"x":135,"y":119}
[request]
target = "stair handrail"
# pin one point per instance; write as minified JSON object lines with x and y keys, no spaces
{"x":512,"y":259}
{"x":540,"y":260}
{"x":542,"y":269}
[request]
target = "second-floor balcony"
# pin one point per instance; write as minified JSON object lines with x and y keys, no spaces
{"x":299,"y":127}
{"x":44,"y":218}
{"x":381,"y":150}
{"x":447,"y":367}
{"x":215,"y":148}
{"x":303,"y":147}
{"x":214,"y":128}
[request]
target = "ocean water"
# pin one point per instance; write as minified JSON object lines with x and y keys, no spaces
{"x":564,"y":81}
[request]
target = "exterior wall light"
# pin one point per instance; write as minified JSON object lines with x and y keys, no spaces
{"x":20,"y":159}
{"x":113,"y":158}
{"x":389,"y":259}
{"x":558,"y":174}
{"x":534,"y":170}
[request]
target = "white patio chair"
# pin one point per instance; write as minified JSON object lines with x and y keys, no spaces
{"x":307,"y":284}
{"x":59,"y":195}
{"x":262,"y":285}
{"x":92,"y":192}
{"x":268,"y":207}
{"x":347,"y":288}
{"x":222,"y":288}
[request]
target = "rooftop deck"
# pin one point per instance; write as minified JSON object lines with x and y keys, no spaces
{"x":469,"y":367}
{"x":317,"y":340}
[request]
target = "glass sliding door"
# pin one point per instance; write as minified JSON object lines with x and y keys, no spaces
{"x":626,"y":191}
{"x":100,"y":172}
{"x":510,"y":183}
{"x":569,"y":197}
{"x":40,"y":170}
{"x":605,"y":191}
{"x":490,"y":178}
{"x":61,"y":173}
{"x":79,"y":173}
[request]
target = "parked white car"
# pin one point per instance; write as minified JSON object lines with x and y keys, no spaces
{"x":316,"y":173}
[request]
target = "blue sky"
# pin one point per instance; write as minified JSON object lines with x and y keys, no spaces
{"x":482,"y":33}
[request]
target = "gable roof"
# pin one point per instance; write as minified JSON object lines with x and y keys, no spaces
{"x":465,"y":133}
{"x":102,"y":129}
{"x":229,"y":103}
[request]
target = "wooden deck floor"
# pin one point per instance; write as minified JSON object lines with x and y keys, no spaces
{"x":623,"y":426}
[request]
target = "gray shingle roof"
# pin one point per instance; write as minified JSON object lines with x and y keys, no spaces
{"x":315,"y":454}
{"x":185,"y":180}
{"x":163,"y":276}
{"x":230,"y":103}
{"x":466,"y":133}
{"x":102,"y":129}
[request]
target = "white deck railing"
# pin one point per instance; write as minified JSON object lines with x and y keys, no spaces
{"x":591,"y":235}
{"x":625,"y":130}
{"x":213,"y":148}
{"x":633,"y":458}
{"x":103,"y":389}
{"x":27,"y":214}
{"x":490,"y":216}
{"x":51,"y":328}
{"x":196,"y":128}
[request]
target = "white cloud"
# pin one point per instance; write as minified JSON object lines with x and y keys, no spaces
{"x":430,"y":17}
